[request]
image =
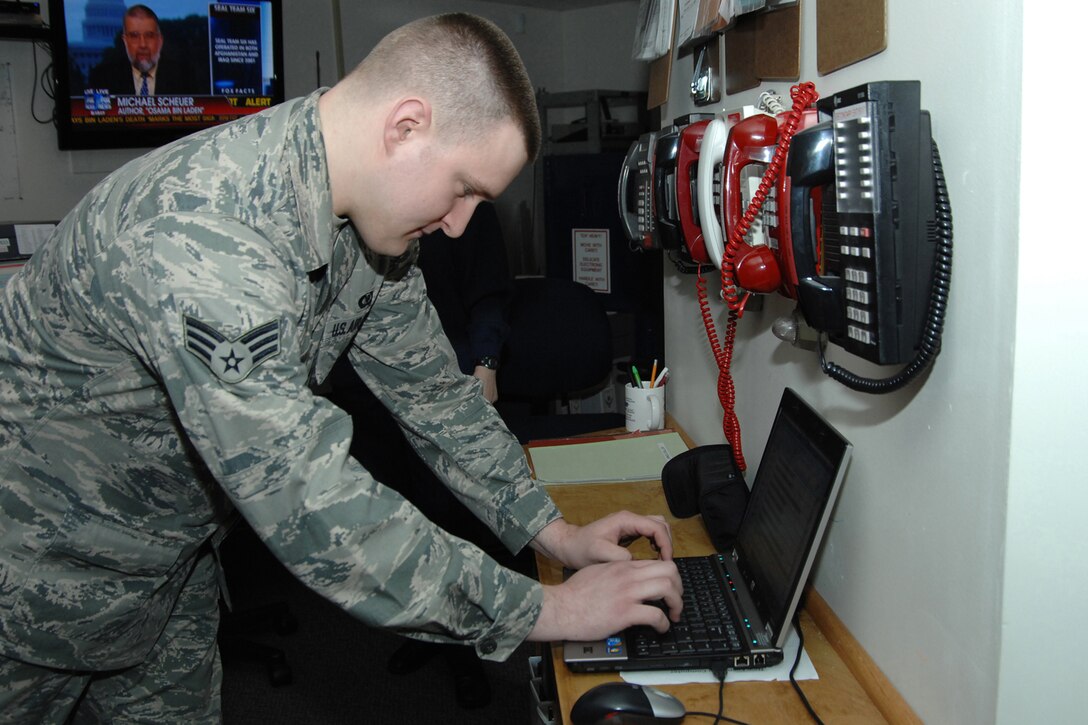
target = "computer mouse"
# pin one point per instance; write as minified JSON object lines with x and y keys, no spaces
{"x":621,"y":703}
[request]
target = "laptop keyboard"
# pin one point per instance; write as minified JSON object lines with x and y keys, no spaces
{"x":707,"y":625}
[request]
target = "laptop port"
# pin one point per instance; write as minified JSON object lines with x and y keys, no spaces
{"x":741,"y":662}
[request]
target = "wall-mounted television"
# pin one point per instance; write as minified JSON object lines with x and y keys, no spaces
{"x":134,"y":74}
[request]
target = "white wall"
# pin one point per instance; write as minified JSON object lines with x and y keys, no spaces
{"x":1046,"y":553}
{"x":915,"y":557}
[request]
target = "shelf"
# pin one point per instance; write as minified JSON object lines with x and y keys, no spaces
{"x":596,"y":130}
{"x":19,"y":31}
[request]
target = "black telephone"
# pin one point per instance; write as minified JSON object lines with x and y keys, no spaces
{"x":635,"y":193}
{"x":648,"y":195}
{"x":874,"y":273}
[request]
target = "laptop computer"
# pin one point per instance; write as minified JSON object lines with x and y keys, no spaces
{"x":738,"y":604}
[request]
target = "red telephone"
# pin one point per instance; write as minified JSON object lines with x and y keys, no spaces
{"x":751,"y":142}
{"x":763,"y":263}
{"x":687,"y":165}
{"x":757,"y":138}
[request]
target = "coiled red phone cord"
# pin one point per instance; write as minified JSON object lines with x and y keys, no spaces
{"x":803,"y":96}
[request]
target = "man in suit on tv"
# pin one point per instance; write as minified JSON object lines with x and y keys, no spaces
{"x":142,"y":74}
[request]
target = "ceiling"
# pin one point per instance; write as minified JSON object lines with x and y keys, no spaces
{"x":556,"y":4}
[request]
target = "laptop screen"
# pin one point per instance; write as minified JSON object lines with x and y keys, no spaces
{"x":801,"y":468}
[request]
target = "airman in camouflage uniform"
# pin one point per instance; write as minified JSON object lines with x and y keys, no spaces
{"x":157,"y":362}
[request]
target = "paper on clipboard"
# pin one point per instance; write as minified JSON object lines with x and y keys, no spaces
{"x":654,"y":31}
{"x":631,"y":457}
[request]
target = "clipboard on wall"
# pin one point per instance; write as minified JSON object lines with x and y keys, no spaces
{"x":848,"y":31}
{"x":763,"y":46}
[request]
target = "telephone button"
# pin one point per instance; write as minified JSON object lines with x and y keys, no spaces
{"x":857,"y":314}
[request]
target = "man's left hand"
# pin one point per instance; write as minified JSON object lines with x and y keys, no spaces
{"x":602,"y":540}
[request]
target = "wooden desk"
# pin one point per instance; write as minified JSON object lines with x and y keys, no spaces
{"x":837,"y":697}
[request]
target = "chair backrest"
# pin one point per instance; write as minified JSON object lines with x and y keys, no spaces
{"x":560,"y":339}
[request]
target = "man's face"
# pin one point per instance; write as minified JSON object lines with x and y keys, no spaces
{"x":143,"y":42}
{"x":434,"y":186}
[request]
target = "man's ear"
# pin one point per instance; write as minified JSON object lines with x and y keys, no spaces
{"x":407,"y":118}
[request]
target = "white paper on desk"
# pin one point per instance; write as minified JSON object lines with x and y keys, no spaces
{"x":780,"y":672}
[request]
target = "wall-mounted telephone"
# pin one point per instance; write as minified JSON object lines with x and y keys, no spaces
{"x":885,"y":233}
{"x":655,"y":189}
{"x":636,"y":194}
{"x":728,"y":249}
{"x":856,"y":224}
{"x":749,"y":147}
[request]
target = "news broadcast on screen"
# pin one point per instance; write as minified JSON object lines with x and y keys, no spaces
{"x":141,"y":74}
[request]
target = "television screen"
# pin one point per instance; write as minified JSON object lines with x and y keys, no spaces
{"x":141,"y":74}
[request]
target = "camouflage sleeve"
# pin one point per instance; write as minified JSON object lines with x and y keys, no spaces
{"x":218,"y":318}
{"x":407,"y":361}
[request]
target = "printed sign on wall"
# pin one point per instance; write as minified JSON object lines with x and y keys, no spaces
{"x":591,"y":266}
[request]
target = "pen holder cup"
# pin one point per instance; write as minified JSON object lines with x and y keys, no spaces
{"x":645,"y":407}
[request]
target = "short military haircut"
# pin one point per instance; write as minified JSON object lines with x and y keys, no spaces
{"x":465,"y":66}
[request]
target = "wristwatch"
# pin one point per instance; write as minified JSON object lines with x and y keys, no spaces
{"x":488,"y":361}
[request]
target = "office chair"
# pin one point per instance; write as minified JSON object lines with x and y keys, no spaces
{"x":559,"y":346}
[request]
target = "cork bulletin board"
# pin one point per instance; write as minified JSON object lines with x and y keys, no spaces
{"x":848,"y":31}
{"x":763,"y":46}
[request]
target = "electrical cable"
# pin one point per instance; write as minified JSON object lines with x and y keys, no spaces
{"x":930,"y":344}
{"x":719,"y":672}
{"x":43,"y":79}
{"x":793,"y":670}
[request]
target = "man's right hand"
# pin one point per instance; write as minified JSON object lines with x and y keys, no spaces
{"x":603,"y":599}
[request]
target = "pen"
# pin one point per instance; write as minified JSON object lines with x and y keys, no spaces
{"x":653,"y":373}
{"x":638,"y":380}
{"x":660,"y":380}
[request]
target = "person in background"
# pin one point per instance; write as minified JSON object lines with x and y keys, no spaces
{"x":159,"y":355}
{"x":468,"y":282}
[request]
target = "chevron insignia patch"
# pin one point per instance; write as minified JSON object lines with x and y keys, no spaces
{"x":232,"y":359}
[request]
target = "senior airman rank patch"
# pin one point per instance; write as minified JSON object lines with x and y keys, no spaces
{"x":232,"y":360}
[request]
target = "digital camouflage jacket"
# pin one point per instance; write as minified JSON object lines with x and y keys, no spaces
{"x":161,"y":350}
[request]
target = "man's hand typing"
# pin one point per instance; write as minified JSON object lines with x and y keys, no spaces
{"x":603,"y":599}
{"x":602,"y":540}
{"x":611,"y":591}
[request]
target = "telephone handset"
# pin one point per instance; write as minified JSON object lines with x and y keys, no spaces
{"x":635,"y":193}
{"x":886,"y":230}
{"x":666,"y":215}
{"x":780,"y":225}
{"x":810,"y":168}
{"x":751,"y":143}
{"x":710,"y":160}
{"x":687,"y":168}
